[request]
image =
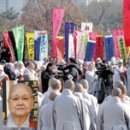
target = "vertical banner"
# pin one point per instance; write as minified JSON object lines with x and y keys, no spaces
{"x":60,"y":48}
{"x":99,"y":49}
{"x":9,"y":45}
{"x":109,"y":47}
{"x":18,"y":33}
{"x":37,"y":41}
{"x":128,"y":52}
{"x":81,"y":40}
{"x":117,"y":33}
{"x":30,"y":45}
{"x":71,"y":46}
{"x":43,"y":45}
{"x":89,"y":51}
{"x":88,"y":27}
{"x":69,"y":40}
{"x":122,"y":48}
{"x":92,"y":36}
{"x":58,"y":14}
{"x":126,"y":21}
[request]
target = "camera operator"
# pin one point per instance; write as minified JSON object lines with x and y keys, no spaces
{"x":71,"y":71}
{"x":105,"y":76}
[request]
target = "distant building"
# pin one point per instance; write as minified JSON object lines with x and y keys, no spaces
{"x":17,"y":5}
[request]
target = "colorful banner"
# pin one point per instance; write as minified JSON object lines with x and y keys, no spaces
{"x":37,"y":41}
{"x":92,"y":36}
{"x":9,"y":45}
{"x":69,"y":40}
{"x":81,"y":40}
{"x":58,"y":14}
{"x":30,"y":45}
{"x":126,"y":21}
{"x":18,"y":33}
{"x":71,"y":46}
{"x":109,"y":47}
{"x":89,"y":51}
{"x":127,"y":52}
{"x":117,"y":33}
{"x":88,"y":27}
{"x":43,"y":45}
{"x":60,"y":48}
{"x":99,"y":49}
{"x":13,"y":44}
{"x":122,"y":47}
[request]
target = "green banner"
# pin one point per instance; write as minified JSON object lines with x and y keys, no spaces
{"x":18,"y":33}
{"x":122,"y":48}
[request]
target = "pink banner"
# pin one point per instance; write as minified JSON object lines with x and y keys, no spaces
{"x":58,"y":14}
{"x":116,"y":34}
{"x":126,"y":21}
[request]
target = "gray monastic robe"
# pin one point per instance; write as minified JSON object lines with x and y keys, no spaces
{"x":113,"y":116}
{"x":93,"y":107}
{"x":66,"y":112}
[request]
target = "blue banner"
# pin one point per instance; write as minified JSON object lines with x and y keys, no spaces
{"x":89,"y":51}
{"x":109,"y":47}
{"x":69,"y":28}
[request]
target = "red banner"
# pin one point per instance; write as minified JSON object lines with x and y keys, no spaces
{"x":60,"y":48}
{"x":58,"y":14}
{"x":8,"y":44}
{"x":99,"y":49}
{"x":126,"y":22}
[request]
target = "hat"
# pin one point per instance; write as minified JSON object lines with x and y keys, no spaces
{"x":1,"y":67}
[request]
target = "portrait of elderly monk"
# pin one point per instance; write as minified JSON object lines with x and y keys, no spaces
{"x":20,"y":104}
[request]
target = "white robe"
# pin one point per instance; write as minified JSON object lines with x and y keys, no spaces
{"x":113,"y":115}
{"x":66,"y":112}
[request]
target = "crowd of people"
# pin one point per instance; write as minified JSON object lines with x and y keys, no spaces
{"x":77,"y":95}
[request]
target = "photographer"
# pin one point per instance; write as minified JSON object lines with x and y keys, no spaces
{"x":105,"y":79}
{"x":71,"y":71}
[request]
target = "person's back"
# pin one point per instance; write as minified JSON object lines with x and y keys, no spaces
{"x":113,"y":115}
{"x":67,"y":110}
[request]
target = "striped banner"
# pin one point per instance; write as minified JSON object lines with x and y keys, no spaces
{"x":18,"y":33}
{"x":30,"y":45}
{"x":89,"y":51}
{"x":109,"y":47}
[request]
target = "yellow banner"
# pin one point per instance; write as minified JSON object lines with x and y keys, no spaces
{"x":30,"y":45}
{"x":128,"y":52}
